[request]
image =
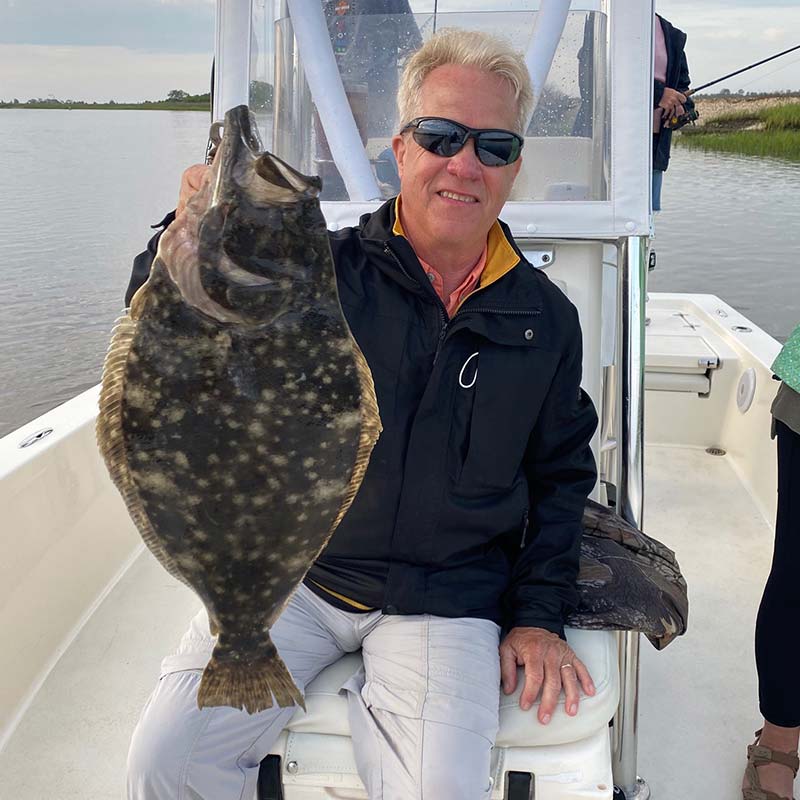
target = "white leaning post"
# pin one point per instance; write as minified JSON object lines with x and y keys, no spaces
{"x":550,"y":21}
{"x":322,"y":76}
{"x":233,"y":41}
{"x":632,"y":260}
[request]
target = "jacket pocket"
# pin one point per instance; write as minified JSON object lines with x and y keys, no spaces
{"x":511,"y":386}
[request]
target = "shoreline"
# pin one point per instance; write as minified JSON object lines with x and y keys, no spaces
{"x":108,"y":106}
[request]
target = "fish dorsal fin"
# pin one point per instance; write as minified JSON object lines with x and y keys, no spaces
{"x":110,"y":438}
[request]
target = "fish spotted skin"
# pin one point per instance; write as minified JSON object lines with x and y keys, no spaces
{"x":239,"y":413}
{"x":628,"y":580}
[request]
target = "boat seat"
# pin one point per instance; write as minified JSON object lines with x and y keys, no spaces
{"x":314,"y":758}
{"x":327,"y":707}
{"x":679,"y":363}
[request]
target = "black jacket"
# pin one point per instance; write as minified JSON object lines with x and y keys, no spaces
{"x":677,"y":78}
{"x":473,"y":498}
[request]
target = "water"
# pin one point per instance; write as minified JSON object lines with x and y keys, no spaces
{"x":731,"y":227}
{"x":79,"y":192}
{"x":81,"y":188}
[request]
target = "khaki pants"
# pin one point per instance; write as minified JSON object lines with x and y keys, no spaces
{"x":423,"y":710}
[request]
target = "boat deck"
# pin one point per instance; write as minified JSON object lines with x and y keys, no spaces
{"x":697,"y":703}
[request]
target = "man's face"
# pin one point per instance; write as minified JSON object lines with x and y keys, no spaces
{"x":456,"y":200}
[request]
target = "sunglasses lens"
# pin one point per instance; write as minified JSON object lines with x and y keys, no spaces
{"x":440,"y":137}
{"x":496,"y":148}
{"x":445,"y":138}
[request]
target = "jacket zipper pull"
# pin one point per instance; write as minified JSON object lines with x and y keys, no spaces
{"x":442,"y":334}
{"x":524,"y":530}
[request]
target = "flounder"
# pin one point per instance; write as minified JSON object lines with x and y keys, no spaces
{"x":237,"y":413}
{"x":628,"y":580}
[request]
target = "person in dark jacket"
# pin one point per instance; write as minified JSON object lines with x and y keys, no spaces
{"x":457,"y":561}
{"x":671,"y":80}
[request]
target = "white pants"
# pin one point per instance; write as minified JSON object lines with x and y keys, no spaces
{"x":423,"y":711}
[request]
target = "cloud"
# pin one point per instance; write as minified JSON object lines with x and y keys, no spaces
{"x":774,"y":34}
{"x":724,"y":36}
{"x":154,"y":25}
{"x":98,"y":73}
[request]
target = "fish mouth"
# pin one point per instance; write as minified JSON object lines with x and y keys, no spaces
{"x":280,"y":175}
{"x":265,"y":178}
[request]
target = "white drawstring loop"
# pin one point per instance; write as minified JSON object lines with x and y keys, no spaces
{"x":461,"y":374}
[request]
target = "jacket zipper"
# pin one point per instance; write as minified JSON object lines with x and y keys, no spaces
{"x":524,"y":530}
{"x":496,"y":310}
{"x":443,"y":321}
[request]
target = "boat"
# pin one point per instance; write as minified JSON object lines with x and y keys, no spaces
{"x":683,"y":448}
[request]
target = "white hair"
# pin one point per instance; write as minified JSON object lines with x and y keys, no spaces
{"x":469,"y":49}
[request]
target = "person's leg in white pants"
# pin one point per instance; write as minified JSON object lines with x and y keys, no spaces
{"x":180,"y":752}
{"x":424,"y":711}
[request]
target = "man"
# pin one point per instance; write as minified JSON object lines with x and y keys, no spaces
{"x":469,"y":516}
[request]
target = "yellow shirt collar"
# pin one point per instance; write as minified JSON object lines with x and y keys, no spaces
{"x":500,"y":255}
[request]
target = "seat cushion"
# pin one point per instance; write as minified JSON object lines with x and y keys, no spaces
{"x":327,"y":707}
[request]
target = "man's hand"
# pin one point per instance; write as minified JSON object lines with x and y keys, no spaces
{"x":549,"y":664}
{"x":191,"y":182}
{"x":671,"y":103}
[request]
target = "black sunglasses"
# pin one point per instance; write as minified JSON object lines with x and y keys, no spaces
{"x":443,"y":137}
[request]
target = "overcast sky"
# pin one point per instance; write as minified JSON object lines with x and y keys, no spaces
{"x":141,"y":49}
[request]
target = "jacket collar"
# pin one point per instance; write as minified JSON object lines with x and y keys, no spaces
{"x":516,"y":288}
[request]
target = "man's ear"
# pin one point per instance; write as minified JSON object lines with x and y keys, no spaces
{"x":399,"y":150}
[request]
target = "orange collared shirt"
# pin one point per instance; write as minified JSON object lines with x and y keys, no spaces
{"x":498,"y":257}
{"x":453,"y":301}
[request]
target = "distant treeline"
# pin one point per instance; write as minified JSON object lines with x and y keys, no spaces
{"x":723,"y":93}
{"x":176,"y":100}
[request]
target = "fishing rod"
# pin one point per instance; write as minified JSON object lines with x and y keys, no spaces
{"x":690,"y":116}
{"x":739,"y":71}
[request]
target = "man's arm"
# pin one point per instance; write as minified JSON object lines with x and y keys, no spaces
{"x":191,"y":182}
{"x":684,"y":81}
{"x":561,"y":472}
{"x":144,"y":261}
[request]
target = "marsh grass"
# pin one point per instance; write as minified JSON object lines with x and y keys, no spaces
{"x":771,"y":132}
{"x":774,"y":144}
{"x":782,"y":118}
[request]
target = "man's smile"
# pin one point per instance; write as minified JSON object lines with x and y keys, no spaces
{"x":462,"y":198}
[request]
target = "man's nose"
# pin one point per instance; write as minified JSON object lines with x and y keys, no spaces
{"x":464,"y":164}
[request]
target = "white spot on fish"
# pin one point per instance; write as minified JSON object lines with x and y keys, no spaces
{"x":256,"y":428}
{"x":348,"y":420}
{"x":327,"y":490}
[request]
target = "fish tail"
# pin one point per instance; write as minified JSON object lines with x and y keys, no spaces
{"x":249,"y":684}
